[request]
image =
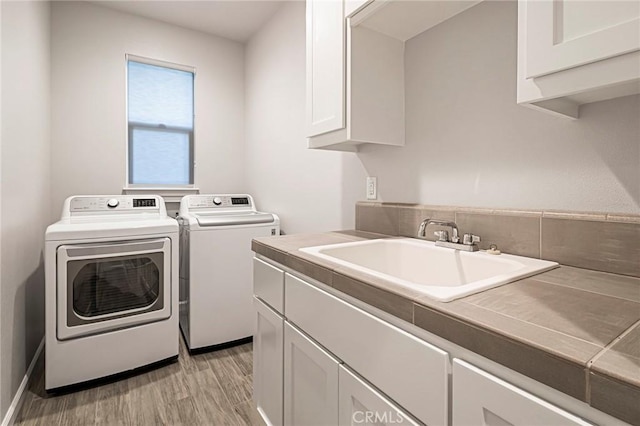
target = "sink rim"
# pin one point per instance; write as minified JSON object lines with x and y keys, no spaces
{"x":529,"y":267}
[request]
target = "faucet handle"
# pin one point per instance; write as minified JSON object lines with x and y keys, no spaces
{"x":470,"y":239}
{"x":442,"y":235}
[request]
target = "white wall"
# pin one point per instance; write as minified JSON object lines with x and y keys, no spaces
{"x":469,"y":144}
{"x":89,"y":44}
{"x":25,"y":187}
{"x":311,"y":190}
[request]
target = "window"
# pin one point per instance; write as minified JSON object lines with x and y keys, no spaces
{"x":160,"y":123}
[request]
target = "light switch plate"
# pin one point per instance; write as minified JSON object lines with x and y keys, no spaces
{"x":372,"y":188}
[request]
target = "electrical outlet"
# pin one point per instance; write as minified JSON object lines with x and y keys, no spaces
{"x":372,"y":188}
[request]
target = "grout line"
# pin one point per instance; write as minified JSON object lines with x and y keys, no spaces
{"x":517,"y":320}
{"x":540,"y":278}
{"x":554,"y":214}
{"x":587,"y":383}
{"x":540,"y":237}
{"x":622,"y":335}
{"x":597,"y":356}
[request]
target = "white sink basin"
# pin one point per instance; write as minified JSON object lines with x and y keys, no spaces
{"x":441,"y":273}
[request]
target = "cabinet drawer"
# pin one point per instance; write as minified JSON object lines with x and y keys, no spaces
{"x":483,"y":399}
{"x":268,"y":284}
{"x":410,"y":371}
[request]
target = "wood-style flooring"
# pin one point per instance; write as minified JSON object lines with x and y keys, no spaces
{"x":213,"y":388}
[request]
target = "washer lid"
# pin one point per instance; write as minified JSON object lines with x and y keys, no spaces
{"x":229,"y":219}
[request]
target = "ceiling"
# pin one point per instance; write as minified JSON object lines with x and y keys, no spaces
{"x":233,"y":19}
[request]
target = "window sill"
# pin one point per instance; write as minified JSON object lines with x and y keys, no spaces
{"x":170,"y":195}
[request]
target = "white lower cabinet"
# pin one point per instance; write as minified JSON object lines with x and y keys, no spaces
{"x":268,"y":343}
{"x":480,"y":398}
{"x":268,"y":284}
{"x":310,"y":382}
{"x":319,"y":360}
{"x":412,"y":372}
{"x":361,"y":404}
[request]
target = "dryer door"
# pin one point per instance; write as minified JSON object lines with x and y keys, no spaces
{"x":109,"y":286}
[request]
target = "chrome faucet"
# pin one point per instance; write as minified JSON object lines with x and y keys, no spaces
{"x":468,"y":243}
{"x":442,"y":235}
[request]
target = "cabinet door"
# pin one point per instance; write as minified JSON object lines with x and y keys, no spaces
{"x":410,"y":371}
{"x":268,"y":346}
{"x":351,"y":6}
{"x":480,"y":398}
{"x":361,"y":404}
{"x":325,"y":66}
{"x":563,"y":34}
{"x":310,"y":382}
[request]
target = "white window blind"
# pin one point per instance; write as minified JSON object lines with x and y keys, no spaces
{"x":160,"y":121}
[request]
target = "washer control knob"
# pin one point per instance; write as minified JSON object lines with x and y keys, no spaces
{"x":112,"y":203}
{"x":217,"y":201}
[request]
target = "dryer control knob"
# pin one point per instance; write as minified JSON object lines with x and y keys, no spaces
{"x":217,"y":201}
{"x":113,"y":203}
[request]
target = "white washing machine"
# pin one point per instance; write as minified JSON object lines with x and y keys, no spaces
{"x":111,"y":299}
{"x":216,"y":279}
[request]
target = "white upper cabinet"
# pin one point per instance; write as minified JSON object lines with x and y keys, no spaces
{"x":567,"y":34}
{"x":325,"y":66}
{"x":574,"y":52}
{"x":355,"y":67}
{"x":355,"y":80}
{"x":570,"y":52}
{"x":352,"y":6}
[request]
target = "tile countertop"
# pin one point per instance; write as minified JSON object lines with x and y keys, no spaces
{"x":575,"y":330}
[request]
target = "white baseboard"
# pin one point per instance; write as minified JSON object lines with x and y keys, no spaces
{"x":12,"y":412}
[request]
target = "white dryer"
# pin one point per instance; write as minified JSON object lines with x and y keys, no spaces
{"x":216,"y":284}
{"x":111,"y":299}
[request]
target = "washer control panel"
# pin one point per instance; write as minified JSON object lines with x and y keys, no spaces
{"x":113,"y":203}
{"x":219,"y":201}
